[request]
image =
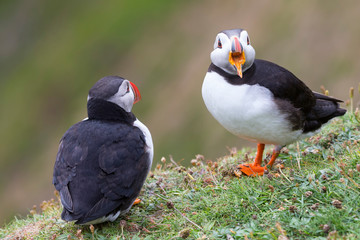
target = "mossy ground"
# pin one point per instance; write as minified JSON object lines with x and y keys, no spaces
{"x":313,"y":191}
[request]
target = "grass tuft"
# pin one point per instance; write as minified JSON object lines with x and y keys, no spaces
{"x":313,"y":191}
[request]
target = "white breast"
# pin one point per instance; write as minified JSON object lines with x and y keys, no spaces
{"x":148,"y":139}
{"x":248,"y":111}
{"x":110,"y":217}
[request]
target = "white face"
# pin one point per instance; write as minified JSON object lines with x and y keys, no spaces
{"x":124,"y":96}
{"x":222,"y":47}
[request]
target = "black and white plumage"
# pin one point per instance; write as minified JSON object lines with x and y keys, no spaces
{"x":103,"y":161}
{"x":259,"y":100}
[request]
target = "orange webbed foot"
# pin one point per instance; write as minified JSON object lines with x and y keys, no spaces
{"x":251,"y":169}
{"x":137,"y":201}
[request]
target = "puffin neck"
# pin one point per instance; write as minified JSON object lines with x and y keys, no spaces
{"x":231,"y":77}
{"x":100,"y":109}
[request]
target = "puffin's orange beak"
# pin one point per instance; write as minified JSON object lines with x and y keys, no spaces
{"x":137,"y":96}
{"x":237,"y":55}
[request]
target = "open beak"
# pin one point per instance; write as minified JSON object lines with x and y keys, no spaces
{"x":136,"y":92}
{"x":237,"y":55}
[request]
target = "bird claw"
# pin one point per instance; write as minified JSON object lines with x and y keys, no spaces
{"x":137,"y":201}
{"x":251,"y":169}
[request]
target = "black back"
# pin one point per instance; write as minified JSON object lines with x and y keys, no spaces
{"x":100,"y":168}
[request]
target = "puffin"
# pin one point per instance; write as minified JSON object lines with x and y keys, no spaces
{"x":103,"y":161}
{"x":260,"y":101}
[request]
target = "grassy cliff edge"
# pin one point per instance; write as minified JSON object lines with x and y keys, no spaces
{"x":313,"y":191}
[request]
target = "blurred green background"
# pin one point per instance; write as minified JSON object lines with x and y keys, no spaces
{"x":52,"y":52}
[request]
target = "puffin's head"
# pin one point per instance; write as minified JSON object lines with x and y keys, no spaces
{"x":117,"y":90}
{"x":233,"y":52}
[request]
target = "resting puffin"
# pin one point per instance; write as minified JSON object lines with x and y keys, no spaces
{"x":260,"y":101}
{"x":103,"y":161}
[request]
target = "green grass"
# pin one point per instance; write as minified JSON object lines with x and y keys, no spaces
{"x":316,"y":195}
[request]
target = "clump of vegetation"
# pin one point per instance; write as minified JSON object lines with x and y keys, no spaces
{"x":312,"y":191}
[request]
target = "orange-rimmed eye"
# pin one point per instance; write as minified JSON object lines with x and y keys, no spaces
{"x":248,"y":41}
{"x":219,"y":44}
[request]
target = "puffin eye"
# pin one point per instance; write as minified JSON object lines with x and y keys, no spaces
{"x":248,"y":40}
{"x":128,"y":88}
{"x":219,"y":44}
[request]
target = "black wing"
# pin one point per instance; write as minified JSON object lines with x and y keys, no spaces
{"x":283,"y":84}
{"x":124,"y":167}
{"x":72,"y":151}
{"x":306,"y":110}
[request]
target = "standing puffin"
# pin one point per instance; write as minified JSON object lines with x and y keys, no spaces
{"x":260,"y":101}
{"x":103,"y":161}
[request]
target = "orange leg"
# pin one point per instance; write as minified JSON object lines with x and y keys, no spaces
{"x":254,"y":169}
{"x":137,"y":201}
{"x":275,"y":154}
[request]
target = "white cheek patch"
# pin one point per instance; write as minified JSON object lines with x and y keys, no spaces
{"x":123,"y":99}
{"x":243,"y":37}
{"x":220,"y":56}
{"x":216,"y":42}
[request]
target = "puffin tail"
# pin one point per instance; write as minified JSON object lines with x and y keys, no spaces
{"x":324,"y":109}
